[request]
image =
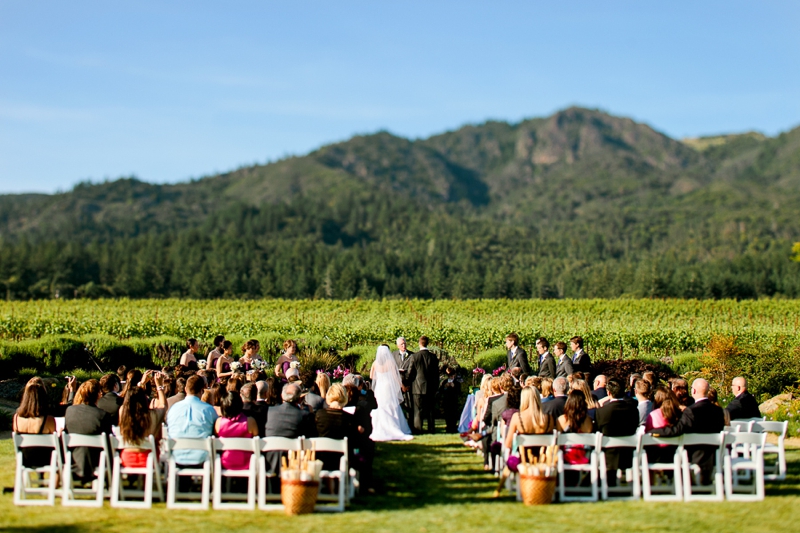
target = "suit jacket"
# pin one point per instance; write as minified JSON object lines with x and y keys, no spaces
{"x":424,"y":373}
{"x":600,"y":393}
{"x":288,"y":420}
{"x":555,"y":407}
{"x":110,"y":403}
{"x":618,"y":418}
{"x":86,"y":420}
{"x":403,"y":366}
{"x":547,"y":367}
{"x":258,"y":411}
{"x":315,"y":401}
{"x":488,"y":416}
{"x":520,"y":359}
{"x":743,"y":406}
{"x":564,"y":367}
{"x":581,"y":361}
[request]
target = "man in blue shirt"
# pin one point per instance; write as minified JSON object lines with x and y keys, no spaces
{"x":191,"y":419}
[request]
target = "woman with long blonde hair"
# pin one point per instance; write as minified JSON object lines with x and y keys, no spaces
{"x":530,"y":420}
{"x":591,"y":402}
{"x":323,"y":383}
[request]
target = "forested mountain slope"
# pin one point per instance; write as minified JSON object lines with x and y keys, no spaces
{"x":577,"y":204}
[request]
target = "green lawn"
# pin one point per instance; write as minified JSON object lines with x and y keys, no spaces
{"x":430,"y":484}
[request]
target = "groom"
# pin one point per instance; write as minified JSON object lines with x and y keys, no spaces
{"x":424,"y":377}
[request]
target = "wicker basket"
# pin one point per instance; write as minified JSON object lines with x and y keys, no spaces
{"x":537,"y":490}
{"x":299,"y":497}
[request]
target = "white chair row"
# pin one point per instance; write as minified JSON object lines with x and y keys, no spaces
{"x":31,"y":484}
{"x":774,"y":470}
{"x":671,"y":478}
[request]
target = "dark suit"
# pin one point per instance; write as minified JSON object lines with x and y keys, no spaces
{"x":547,"y":366}
{"x":700,"y":417}
{"x":110,"y":403}
{"x":617,"y":418}
{"x":86,"y":420}
{"x":519,"y":360}
{"x":743,"y":406}
{"x":555,"y":407}
{"x":495,"y":406}
{"x":581,"y":361}
{"x":404,"y":366}
{"x":258,"y":412}
{"x":287,"y":420}
{"x":600,"y":393}
{"x":424,"y":377}
{"x":314,"y":401}
{"x":564,"y":367}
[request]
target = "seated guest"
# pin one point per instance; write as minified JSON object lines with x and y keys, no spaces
{"x":235,"y":383}
{"x":744,"y":405}
{"x":700,"y":417}
{"x":642,"y":390}
{"x":323,"y":384}
{"x":234,"y":423}
{"x":555,"y":407}
{"x":513,"y":398}
{"x":491,"y":418}
{"x":681,"y":390}
{"x":311,"y":396}
{"x":531,"y":419}
{"x":599,"y":385}
{"x":191,"y":419}
{"x":591,"y":402}
{"x":252,"y":408}
{"x":273,"y":393}
{"x":288,"y":419}
{"x":534,"y":381}
{"x":546,"y":390}
{"x":364,"y":405}
{"x":83,"y":417}
{"x":617,"y":418}
{"x":632,"y":379}
{"x":650,"y":377}
{"x":137,"y":422}
{"x":666,"y":412}
{"x":712,"y":397}
{"x":575,"y":420}
{"x":180,"y":393}
{"x":122,"y":372}
{"x":32,"y":418}
{"x":133,"y":378}
{"x":334,"y":423}
{"x":111,"y":401}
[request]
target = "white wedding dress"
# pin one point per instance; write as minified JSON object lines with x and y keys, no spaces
{"x":388,"y":420}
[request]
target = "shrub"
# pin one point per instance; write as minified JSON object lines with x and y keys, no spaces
{"x":621,"y":369}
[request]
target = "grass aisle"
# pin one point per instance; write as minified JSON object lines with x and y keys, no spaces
{"x":430,"y":484}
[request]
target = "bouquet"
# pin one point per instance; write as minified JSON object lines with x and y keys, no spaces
{"x":236,"y":365}
{"x":201,"y":364}
{"x":258,"y":364}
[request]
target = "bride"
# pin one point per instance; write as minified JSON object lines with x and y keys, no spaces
{"x":388,"y":421}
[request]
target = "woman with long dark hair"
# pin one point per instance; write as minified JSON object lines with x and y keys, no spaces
{"x":32,"y":417}
{"x":137,"y":421}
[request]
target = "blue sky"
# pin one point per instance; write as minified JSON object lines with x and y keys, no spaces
{"x":168,"y":91}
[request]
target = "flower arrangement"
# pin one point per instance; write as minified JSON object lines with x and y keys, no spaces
{"x":339,"y":372}
{"x":236,"y":365}
{"x":478,"y":371}
{"x":258,"y":364}
{"x":498,"y":371}
{"x":201,"y":364}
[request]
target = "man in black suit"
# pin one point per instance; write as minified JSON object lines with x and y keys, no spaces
{"x":744,"y":405}
{"x":251,"y":407}
{"x":403,"y":359}
{"x":700,"y":417}
{"x":424,"y":377}
{"x":599,"y":387}
{"x":111,"y":401}
{"x":555,"y":407}
{"x":547,"y":364}
{"x":287,"y":420}
{"x":580,"y":360}
{"x":617,"y":418}
{"x":517,"y":356}
{"x":564,"y":365}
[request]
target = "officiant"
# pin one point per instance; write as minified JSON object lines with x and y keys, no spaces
{"x":403,"y":359}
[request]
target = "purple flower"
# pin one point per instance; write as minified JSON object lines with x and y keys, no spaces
{"x":479,"y":370}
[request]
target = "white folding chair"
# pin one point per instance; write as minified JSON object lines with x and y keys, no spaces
{"x":777,"y":470}
{"x":533,"y":441}
{"x":753,"y":463}
{"x":102,"y":472}
{"x":342,"y":475}
{"x":691,"y":472}
{"x":175,"y":471}
{"x":24,"y":486}
{"x":632,"y":491}
{"x":226,"y":444}
{"x":578,"y":493}
{"x":151,"y":474}
{"x":265,"y":494}
{"x":662,"y":489}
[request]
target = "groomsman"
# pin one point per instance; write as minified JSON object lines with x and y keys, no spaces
{"x":517,"y":356}
{"x":403,"y":359}
{"x":564,"y":367}
{"x":547,"y":364}
{"x":424,"y":378}
{"x":580,"y":359}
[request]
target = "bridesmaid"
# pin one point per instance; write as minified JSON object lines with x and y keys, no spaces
{"x":224,"y":361}
{"x":188,"y":358}
{"x":250,"y":354}
{"x":289,"y":355}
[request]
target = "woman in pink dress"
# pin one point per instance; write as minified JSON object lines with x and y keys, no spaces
{"x":667,"y":412}
{"x":234,"y":423}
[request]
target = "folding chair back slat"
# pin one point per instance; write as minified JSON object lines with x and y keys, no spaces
{"x":175,"y":472}
{"x":103,"y":472}
{"x":265,"y":494}
{"x":122,"y":497}
{"x":227,"y":444}
{"x":23,"y":487}
{"x":630,"y":442}
{"x":777,"y":470}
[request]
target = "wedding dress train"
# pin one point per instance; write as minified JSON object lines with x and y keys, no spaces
{"x":388,"y":421}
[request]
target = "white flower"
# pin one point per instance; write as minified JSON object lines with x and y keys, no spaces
{"x":294,"y":364}
{"x":236,"y":365}
{"x":201,"y":364}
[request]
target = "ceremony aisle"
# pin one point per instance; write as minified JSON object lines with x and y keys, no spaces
{"x":430,"y":484}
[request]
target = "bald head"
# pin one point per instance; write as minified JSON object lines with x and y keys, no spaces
{"x":290,"y":393}
{"x":739,"y":385}
{"x":600,"y":382}
{"x":699,"y":389}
